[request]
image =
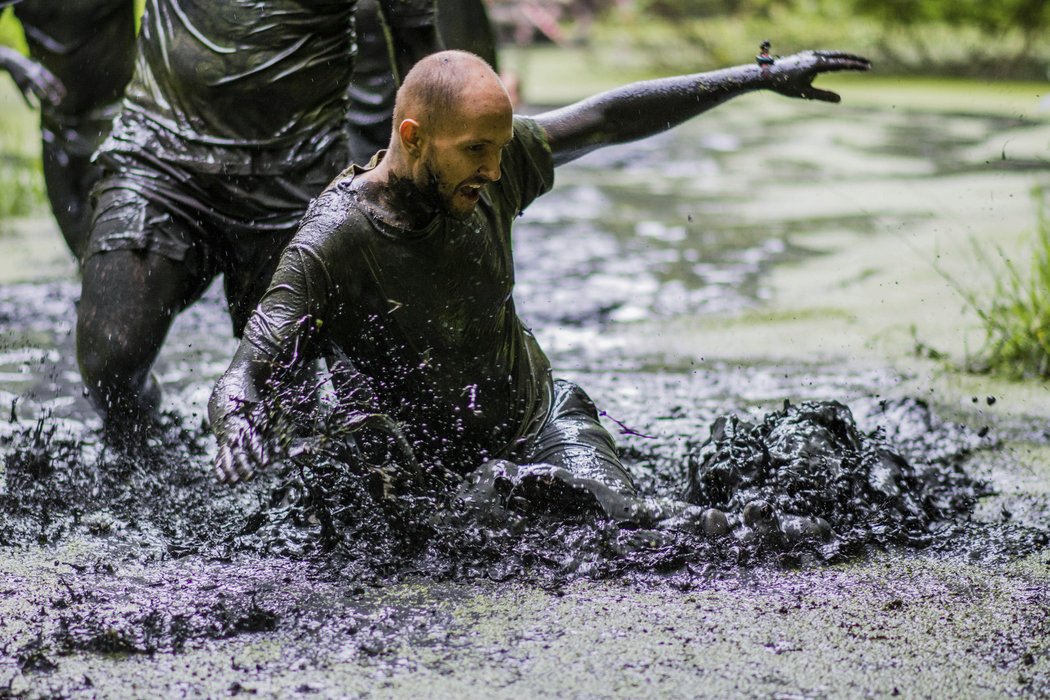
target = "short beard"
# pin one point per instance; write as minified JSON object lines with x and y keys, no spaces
{"x":430,"y":192}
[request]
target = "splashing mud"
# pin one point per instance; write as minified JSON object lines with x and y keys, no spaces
{"x":797,"y":486}
{"x":801,"y":486}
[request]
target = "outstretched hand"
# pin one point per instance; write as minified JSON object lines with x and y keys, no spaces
{"x":242,"y":450}
{"x":793,"y":75}
{"x":32,"y":78}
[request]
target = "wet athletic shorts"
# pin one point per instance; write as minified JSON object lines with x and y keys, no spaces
{"x":235,"y":225}
{"x":574,"y":438}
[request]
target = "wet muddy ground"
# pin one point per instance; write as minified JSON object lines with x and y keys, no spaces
{"x":770,"y":252}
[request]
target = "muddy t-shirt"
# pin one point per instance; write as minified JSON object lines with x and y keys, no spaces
{"x":217,"y":81}
{"x":427,"y":316}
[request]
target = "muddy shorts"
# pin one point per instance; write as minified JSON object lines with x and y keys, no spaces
{"x":210,"y":223}
{"x":574,"y":438}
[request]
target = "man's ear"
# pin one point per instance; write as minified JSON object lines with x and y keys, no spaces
{"x":411,"y":134}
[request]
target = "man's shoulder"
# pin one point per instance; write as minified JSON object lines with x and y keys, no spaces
{"x":333,"y":218}
{"x":528,"y":164}
{"x":528,"y":130}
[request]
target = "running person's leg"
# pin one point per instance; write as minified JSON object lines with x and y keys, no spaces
{"x":136,"y":279}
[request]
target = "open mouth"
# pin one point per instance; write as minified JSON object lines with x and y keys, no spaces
{"x":472,"y":193}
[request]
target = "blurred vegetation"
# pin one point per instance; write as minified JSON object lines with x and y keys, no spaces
{"x":1015,"y":314}
{"x":21,"y":170}
{"x":11,"y":31}
{"x":1004,"y":39}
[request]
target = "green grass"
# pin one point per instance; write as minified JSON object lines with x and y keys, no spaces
{"x":1015,"y":314}
{"x":22,"y":189}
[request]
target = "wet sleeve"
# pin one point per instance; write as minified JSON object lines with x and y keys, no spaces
{"x":409,"y":13}
{"x":290,"y":312}
{"x":527,"y":165}
{"x":283,"y":333}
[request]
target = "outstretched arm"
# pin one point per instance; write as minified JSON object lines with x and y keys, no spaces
{"x":31,"y":77}
{"x":646,"y":108}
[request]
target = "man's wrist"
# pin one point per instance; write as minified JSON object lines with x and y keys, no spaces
{"x":730,"y":82}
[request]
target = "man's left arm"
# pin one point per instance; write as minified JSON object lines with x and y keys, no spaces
{"x":276,"y":346}
{"x":32,"y":79}
{"x":413,"y":33}
{"x":646,"y":108}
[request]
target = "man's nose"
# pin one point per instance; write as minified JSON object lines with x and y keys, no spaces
{"x":490,"y":169}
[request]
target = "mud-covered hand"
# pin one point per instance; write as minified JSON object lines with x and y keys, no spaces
{"x":242,"y":450}
{"x":32,"y":78}
{"x":793,"y":75}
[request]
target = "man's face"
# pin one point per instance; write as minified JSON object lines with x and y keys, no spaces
{"x":462,"y":154}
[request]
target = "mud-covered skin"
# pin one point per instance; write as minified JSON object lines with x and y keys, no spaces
{"x":647,"y":108}
{"x":232,"y":122}
{"x":31,"y":78}
{"x":87,"y":50}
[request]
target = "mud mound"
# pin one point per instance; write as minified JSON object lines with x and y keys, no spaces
{"x":808,"y":472}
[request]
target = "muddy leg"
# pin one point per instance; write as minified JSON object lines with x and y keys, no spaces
{"x":575,"y":440}
{"x":128,"y":302}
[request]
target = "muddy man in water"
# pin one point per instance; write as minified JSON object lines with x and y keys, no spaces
{"x":82,"y":55}
{"x":232,"y":122}
{"x":402,"y":272}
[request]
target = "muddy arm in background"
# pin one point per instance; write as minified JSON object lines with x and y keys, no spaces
{"x":646,"y":108}
{"x":31,"y":77}
{"x":84,"y":53}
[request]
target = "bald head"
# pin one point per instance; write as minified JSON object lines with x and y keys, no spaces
{"x":448,"y":87}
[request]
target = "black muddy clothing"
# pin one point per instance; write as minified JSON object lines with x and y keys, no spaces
{"x":245,"y":86}
{"x":428,"y":318}
{"x":231,"y":124}
{"x":89,"y":45}
{"x":235,"y":225}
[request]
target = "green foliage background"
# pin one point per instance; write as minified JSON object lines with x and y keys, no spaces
{"x":1000,"y":39}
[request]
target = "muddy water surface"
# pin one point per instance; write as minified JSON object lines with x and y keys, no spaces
{"x":660,"y":277}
